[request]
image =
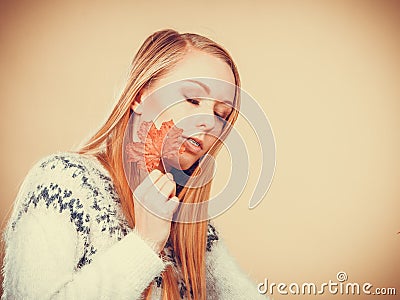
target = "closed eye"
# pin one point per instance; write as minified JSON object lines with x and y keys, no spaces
{"x":222,"y":111}
{"x":193,"y":101}
{"x":222,"y":117}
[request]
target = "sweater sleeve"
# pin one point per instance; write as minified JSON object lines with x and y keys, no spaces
{"x":41,"y":252}
{"x":225,"y":279}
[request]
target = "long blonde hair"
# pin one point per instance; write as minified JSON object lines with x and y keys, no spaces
{"x":160,"y":52}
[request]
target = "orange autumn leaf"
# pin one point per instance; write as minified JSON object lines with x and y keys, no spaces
{"x":148,"y":152}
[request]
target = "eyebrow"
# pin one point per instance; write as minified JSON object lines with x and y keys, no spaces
{"x":207,"y":89}
{"x":204,"y":86}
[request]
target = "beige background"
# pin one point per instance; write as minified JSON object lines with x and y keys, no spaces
{"x":327,"y":73}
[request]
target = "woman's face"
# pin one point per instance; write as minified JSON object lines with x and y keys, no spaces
{"x":198,"y":96}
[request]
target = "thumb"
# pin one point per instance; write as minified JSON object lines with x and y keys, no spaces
{"x":172,"y":204}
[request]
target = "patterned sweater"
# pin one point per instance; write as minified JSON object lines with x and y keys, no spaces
{"x":67,"y":238}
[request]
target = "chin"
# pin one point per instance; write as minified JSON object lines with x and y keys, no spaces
{"x":186,"y":161}
{"x":183,"y":163}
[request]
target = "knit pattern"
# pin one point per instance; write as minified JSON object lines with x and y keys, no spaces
{"x":79,"y":189}
{"x":65,"y":201}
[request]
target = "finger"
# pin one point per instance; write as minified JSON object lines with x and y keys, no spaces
{"x":167,"y":209}
{"x":172,"y":204}
{"x":158,"y":192}
{"x":163,"y":180}
{"x":160,"y":182}
{"x":168,"y":189}
{"x":149,"y":181}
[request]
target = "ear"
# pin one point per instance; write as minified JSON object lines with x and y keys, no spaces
{"x":136,"y":105}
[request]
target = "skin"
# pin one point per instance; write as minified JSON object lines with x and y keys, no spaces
{"x":199,"y":104}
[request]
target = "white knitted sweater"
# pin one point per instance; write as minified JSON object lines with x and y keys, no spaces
{"x":68,"y":239}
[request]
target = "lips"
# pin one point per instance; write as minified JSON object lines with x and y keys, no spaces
{"x":193,"y":144}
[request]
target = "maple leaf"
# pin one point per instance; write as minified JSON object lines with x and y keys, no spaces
{"x":155,"y":144}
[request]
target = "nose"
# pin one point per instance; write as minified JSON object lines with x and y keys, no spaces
{"x":205,"y":119}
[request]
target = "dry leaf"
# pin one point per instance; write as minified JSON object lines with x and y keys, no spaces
{"x":148,"y":152}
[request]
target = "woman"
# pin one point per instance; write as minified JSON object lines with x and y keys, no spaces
{"x":83,"y":225}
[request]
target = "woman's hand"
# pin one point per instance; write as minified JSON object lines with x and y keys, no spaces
{"x":155,"y":200}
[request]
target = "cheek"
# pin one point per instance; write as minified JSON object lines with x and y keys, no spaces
{"x":209,"y":140}
{"x":177,"y":113}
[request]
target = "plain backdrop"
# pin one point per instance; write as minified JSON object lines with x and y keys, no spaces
{"x":326,"y":73}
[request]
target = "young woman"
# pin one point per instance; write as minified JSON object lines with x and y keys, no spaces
{"x":85,"y":225}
